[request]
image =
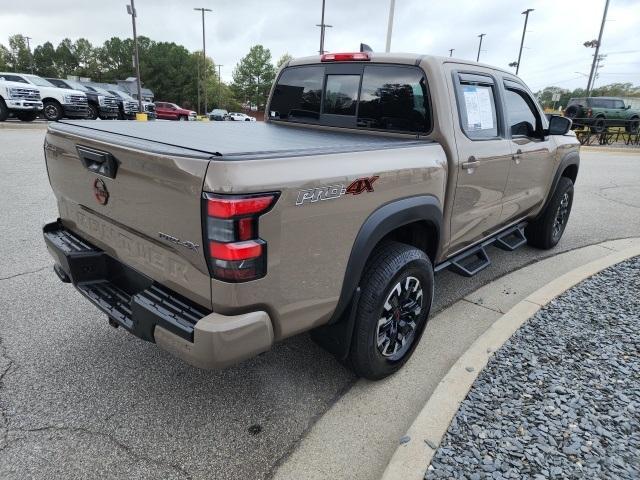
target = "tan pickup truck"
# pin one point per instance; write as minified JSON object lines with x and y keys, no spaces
{"x":372,"y":172}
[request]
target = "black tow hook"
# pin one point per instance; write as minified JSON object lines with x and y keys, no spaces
{"x":113,"y":323}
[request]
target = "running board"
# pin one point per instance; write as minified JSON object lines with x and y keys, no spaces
{"x":511,"y":239}
{"x":476,"y":259}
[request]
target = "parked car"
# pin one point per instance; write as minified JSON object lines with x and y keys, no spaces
{"x":232,"y":245}
{"x":241,"y":117}
{"x":218,"y":114}
{"x":171,"y":111}
{"x":19,"y":100}
{"x":598,"y":113}
{"x":101,"y":104}
{"x":57,"y":102}
{"x":127,"y":105}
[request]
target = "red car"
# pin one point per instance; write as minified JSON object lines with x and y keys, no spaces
{"x":171,"y":111}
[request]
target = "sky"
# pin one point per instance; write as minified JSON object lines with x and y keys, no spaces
{"x":553,"y":53}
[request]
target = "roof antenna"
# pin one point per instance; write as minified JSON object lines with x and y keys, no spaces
{"x":365,"y":48}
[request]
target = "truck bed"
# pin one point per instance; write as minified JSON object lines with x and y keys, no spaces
{"x":229,"y":140}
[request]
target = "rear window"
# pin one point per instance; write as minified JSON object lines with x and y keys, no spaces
{"x":380,"y":97}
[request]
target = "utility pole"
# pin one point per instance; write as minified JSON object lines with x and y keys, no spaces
{"x":204,"y":57}
{"x":524,"y":30}
{"x":322,"y":26}
{"x":392,"y":7}
{"x":451,"y":52}
{"x":219,"y":85}
{"x":30,"y":56}
{"x":131,"y":10}
{"x":480,"y":46}
{"x":595,"y":55}
{"x":599,"y":60}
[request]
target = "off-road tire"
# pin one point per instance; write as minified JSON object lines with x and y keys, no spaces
{"x":390,"y":264}
{"x":599,"y":125}
{"x":542,"y":233}
{"x":572,"y":111}
{"x":52,"y":111}
{"x":4,"y":111}
{"x":93,"y":113}
{"x":27,"y":116}
{"x":634,"y":126}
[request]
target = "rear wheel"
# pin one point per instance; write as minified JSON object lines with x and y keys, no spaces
{"x":599,"y":125}
{"x":397,"y":290}
{"x":52,"y":110}
{"x":27,"y":116}
{"x":546,"y":231}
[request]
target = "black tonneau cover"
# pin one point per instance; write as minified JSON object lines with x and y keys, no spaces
{"x":241,"y":140}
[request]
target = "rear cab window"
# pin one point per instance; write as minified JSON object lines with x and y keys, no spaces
{"x":376,"y":96}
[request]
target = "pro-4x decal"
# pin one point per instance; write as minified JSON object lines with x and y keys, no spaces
{"x":329,"y":192}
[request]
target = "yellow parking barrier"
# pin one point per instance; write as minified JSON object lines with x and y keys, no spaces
{"x":141,"y":117}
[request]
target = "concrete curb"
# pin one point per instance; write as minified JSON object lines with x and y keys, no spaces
{"x":595,"y":148}
{"x":23,"y":125}
{"x":411,"y":459}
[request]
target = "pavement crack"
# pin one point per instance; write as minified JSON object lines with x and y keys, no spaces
{"x":111,"y":438}
{"x":8,"y":366}
{"x":24,"y":273}
{"x":497,"y":310}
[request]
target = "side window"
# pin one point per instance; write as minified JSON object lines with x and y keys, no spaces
{"x":477,"y":105}
{"x":14,"y":78}
{"x":341,"y":94}
{"x":522,"y":117}
{"x":394,"y":98}
{"x":298,"y":93}
{"x":619,"y":104}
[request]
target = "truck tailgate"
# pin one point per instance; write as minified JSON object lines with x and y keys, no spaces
{"x":141,"y":208}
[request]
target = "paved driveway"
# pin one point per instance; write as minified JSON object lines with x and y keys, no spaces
{"x":80,"y":399}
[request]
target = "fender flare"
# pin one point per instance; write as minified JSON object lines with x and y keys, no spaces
{"x":381,"y":222}
{"x":571,"y":158}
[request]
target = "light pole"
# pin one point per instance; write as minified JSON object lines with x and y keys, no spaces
{"x":595,"y":55}
{"x":392,"y":7}
{"x":480,"y":46}
{"x":451,"y":50}
{"x":219,"y":85}
{"x":30,"y":55}
{"x":524,"y":30}
{"x":131,"y":10}
{"x":204,"y":57}
{"x":322,"y":26}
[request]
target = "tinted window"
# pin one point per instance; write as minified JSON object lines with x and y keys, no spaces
{"x":478,"y":111}
{"x":298,"y":93}
{"x":618,"y":104}
{"x":341,"y":94}
{"x":599,"y":103}
{"x":394,"y":98}
{"x":14,"y":78}
{"x":522,"y":118}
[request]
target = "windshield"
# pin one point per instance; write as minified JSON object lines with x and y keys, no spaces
{"x":77,"y":86}
{"x":39,"y":81}
{"x":121,"y":94}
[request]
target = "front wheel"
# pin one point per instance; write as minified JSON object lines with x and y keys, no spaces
{"x":397,"y":290}
{"x":634,"y":126}
{"x":52,"y":111}
{"x":546,"y":231}
{"x":4,"y":111}
{"x":182,"y":118}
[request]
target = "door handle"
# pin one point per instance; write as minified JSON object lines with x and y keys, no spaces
{"x":471,"y":164}
{"x":98,"y":162}
{"x":517,"y":156}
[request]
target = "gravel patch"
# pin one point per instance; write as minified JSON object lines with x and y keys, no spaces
{"x":561,"y":399}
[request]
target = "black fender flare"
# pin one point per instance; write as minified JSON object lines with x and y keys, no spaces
{"x":571,"y":158}
{"x":335,"y":336}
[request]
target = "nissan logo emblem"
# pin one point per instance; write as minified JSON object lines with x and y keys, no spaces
{"x":100,"y":191}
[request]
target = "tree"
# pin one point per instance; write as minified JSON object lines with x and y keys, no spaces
{"x":19,"y":55}
{"x":253,"y":76}
{"x":87,"y":58}
{"x":65,"y":59}
{"x":283,"y":59}
{"x":4,"y":57}
{"x":44,"y":60}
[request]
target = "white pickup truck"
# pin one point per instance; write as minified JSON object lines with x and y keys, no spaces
{"x":19,"y":100}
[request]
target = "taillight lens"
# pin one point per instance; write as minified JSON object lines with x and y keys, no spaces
{"x":345,"y":57}
{"x":589,"y":112}
{"x":235,"y":251}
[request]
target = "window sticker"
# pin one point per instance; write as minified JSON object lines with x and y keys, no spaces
{"x":477,"y":102}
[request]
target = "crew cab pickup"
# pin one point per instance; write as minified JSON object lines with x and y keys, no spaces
{"x":372,"y":172}
{"x":20,"y":100}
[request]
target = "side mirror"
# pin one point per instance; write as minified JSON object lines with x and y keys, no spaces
{"x":559,"y":125}
{"x":627,"y":107}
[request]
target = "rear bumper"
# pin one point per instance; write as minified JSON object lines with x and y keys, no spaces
{"x":153,"y":312}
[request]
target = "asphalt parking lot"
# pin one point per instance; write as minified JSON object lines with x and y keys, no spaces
{"x":80,"y":399}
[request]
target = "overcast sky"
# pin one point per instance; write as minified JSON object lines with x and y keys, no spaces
{"x":552,"y":55}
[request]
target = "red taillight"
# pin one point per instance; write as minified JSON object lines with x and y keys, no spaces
{"x":221,"y":207}
{"x":589,"y":112}
{"x":235,"y":251}
{"x":345,"y":57}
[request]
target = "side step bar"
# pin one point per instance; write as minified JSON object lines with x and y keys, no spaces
{"x":476,"y":259}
